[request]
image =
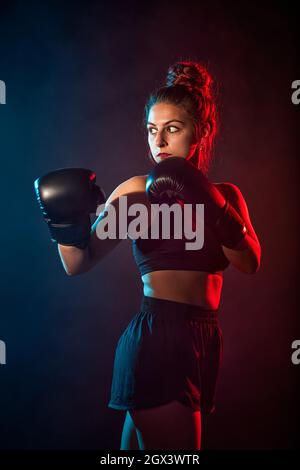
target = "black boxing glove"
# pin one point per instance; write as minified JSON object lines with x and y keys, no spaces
{"x":176,"y":177}
{"x":67,"y":197}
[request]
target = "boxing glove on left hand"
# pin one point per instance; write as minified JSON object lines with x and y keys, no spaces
{"x":67,"y":197}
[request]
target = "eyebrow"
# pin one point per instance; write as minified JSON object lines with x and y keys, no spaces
{"x":172,"y":120}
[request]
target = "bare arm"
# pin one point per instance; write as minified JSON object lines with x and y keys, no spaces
{"x":247,"y":257}
{"x":76,"y":261}
{"x":73,"y":259}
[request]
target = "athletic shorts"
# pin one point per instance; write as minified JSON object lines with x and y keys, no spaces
{"x":169,"y":351}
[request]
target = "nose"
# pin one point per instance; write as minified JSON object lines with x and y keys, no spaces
{"x":160,"y":139}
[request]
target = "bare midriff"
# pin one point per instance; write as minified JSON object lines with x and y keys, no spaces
{"x":191,"y":287}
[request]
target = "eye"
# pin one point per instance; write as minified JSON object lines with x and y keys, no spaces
{"x":176,"y":129}
{"x":151,"y":129}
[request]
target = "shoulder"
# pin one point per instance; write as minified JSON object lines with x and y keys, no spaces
{"x":131,"y":185}
{"x":137,"y":181}
{"x":234,"y":195}
{"x":228,"y":187}
{"x":229,"y":190}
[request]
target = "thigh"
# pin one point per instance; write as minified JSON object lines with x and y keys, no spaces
{"x":172,"y":426}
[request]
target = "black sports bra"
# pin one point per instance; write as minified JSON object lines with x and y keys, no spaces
{"x":155,"y":255}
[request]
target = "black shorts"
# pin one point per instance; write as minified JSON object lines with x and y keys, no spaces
{"x":169,"y":351}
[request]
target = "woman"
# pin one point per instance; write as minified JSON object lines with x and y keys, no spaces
{"x":167,"y":359}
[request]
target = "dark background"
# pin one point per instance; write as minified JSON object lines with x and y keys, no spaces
{"x":78,"y":75}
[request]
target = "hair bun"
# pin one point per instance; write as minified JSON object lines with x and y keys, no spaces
{"x":190,"y":74}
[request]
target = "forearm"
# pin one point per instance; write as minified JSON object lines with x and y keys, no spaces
{"x":75,"y":260}
{"x":246,"y":255}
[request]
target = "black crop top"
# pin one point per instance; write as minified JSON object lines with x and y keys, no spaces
{"x":155,"y":255}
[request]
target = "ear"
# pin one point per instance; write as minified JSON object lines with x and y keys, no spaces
{"x":205,"y":130}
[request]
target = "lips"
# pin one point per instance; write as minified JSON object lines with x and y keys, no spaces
{"x":162,"y":155}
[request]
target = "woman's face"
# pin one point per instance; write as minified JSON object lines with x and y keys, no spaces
{"x":171,"y":131}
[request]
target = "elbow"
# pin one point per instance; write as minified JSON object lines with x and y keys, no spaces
{"x":257,"y":267}
{"x":69,"y":274}
{"x":78,"y":272}
{"x":252,"y":264}
{"x":247,"y":269}
{"x":72,"y":273}
{"x":247,"y":265}
{"x":247,"y":262}
{"x":253,"y":267}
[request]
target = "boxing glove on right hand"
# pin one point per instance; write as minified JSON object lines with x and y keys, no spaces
{"x":67,"y":197}
{"x":178,"y":178}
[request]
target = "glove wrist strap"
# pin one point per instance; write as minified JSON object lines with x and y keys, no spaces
{"x":71,"y":233}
